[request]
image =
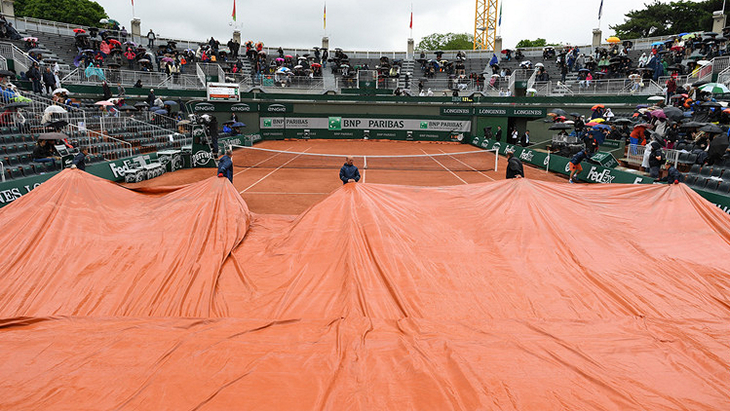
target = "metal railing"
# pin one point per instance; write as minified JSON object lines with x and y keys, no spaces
{"x":724,"y":76}
{"x":129,"y":78}
{"x":99,"y":143}
{"x":200,"y":74}
{"x":3,"y":63}
{"x":279,"y":82}
{"x":635,"y":154}
{"x":622,"y":86}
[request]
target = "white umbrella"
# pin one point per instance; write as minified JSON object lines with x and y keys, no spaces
{"x":703,"y":62}
{"x":54,"y":109}
{"x":656,"y":98}
{"x":60,"y":91}
{"x":539,"y":65}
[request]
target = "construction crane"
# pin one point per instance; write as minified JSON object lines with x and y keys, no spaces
{"x":485,"y":24}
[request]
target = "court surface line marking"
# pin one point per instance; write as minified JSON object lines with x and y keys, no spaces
{"x":363,"y":175}
{"x":474,"y":169}
{"x":273,"y":171}
{"x":264,"y":160}
{"x":445,"y":168}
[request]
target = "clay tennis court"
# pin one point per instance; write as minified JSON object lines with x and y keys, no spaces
{"x":284,"y":183}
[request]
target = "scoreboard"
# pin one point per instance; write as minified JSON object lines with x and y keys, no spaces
{"x":224,"y":92}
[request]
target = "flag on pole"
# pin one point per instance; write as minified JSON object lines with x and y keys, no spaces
{"x":234,"y":10}
{"x":500,"y":15}
{"x":411,"y":26}
{"x":600,"y":10}
{"x":324,"y":16}
{"x":132,"y":2}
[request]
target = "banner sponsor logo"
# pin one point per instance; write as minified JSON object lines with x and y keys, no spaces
{"x":241,"y":108}
{"x":204,"y":107}
{"x":528,"y":112}
{"x":456,"y":111}
{"x":334,"y":123}
{"x":492,"y":111}
{"x":201,"y":158}
{"x":526,"y":155}
{"x":604,"y":177}
{"x":276,"y":108}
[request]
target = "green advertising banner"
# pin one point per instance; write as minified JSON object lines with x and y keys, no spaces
{"x":605,"y":159}
{"x":457,"y":111}
{"x":510,"y":112}
{"x":593,"y":173}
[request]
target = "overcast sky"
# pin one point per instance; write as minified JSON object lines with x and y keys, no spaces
{"x":367,"y":25}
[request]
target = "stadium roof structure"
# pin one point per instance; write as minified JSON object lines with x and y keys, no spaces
{"x":509,"y":295}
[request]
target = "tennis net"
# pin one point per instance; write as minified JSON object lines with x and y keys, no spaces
{"x":253,"y":157}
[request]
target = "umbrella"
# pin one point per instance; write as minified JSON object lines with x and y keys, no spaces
{"x":643,"y":125}
{"x":52,"y":136}
{"x":115,"y":42}
{"x":539,"y":65}
{"x":711,"y":128}
{"x":279,"y":59}
{"x":238,"y":124}
{"x":710,"y":34}
{"x":700,"y":83}
{"x":691,"y":124}
{"x":54,"y":109}
{"x":6,"y":73}
{"x":113,"y":65}
{"x":30,"y":39}
{"x":142,"y":104}
{"x":560,"y":112}
{"x":593,"y":123}
{"x":656,"y":98}
{"x":673,"y":113}
{"x":597,"y":106}
{"x":715,"y":88}
{"x":602,"y":127}
{"x":60,"y":91}
{"x":16,"y":104}
{"x":169,"y":103}
{"x":598,"y":120}
{"x":127,"y":108}
{"x":288,"y":56}
{"x":79,"y":31}
{"x":57,"y":124}
{"x":658,"y":114}
{"x":185,"y":122}
{"x":104,"y":103}
{"x":657,"y":43}
{"x":143,"y":60}
{"x":35,"y":50}
{"x":622,"y":121}
{"x":584,"y":70}
{"x":112,"y":21}
{"x":104,"y":21}
{"x":574,"y":114}
{"x":316,"y":65}
{"x":161,"y":112}
{"x":560,"y":126}
{"x":703,"y":62}
{"x":710,"y":104}
{"x":299,"y":66}
{"x":167,"y":60}
{"x":613,"y":39}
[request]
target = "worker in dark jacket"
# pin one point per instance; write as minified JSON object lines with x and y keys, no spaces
{"x":574,"y":163}
{"x":225,"y":166}
{"x":673,"y":175}
{"x":514,"y":166}
{"x":80,"y":159}
{"x":349,"y":172}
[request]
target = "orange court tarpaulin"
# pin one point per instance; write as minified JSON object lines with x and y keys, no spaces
{"x":511,"y":295}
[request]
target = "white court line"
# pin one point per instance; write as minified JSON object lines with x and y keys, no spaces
{"x":363,"y":175}
{"x":473,"y":169}
{"x":262,"y":161}
{"x":273,"y":171}
{"x":445,"y":168}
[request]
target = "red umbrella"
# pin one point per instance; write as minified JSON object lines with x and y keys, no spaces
{"x":115,"y":42}
{"x":597,"y":106}
{"x":79,"y":31}
{"x":504,"y":51}
{"x":316,"y":65}
{"x":288,"y":56}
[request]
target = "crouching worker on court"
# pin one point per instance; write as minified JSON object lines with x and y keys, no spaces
{"x":349,"y":172}
{"x":225,"y":166}
{"x":514,"y":166}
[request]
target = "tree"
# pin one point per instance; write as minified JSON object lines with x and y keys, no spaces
{"x":534,"y":43}
{"x":448,"y":41}
{"x":661,"y":19}
{"x":81,"y":12}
